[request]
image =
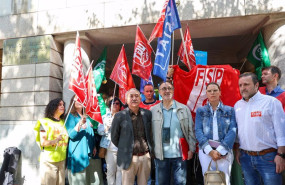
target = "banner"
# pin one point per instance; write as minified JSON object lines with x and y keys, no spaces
{"x":142,"y":65}
{"x":190,"y":87}
{"x":171,"y":23}
{"x":258,"y":55}
{"x":76,"y":82}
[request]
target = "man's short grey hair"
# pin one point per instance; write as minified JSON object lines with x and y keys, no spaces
{"x":128,"y":92}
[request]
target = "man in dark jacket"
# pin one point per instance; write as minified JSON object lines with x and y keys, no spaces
{"x":131,"y":133}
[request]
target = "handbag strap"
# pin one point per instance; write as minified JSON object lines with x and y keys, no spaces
{"x":210,"y":165}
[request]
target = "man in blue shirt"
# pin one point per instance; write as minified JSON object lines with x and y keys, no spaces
{"x":270,"y":77}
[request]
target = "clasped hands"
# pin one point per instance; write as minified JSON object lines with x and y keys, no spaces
{"x":216,"y":155}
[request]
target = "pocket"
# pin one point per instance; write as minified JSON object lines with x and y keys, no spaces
{"x":269,"y":157}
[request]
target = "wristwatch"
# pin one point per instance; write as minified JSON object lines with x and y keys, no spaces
{"x":281,"y":155}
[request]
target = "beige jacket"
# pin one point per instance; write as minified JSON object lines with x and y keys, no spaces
{"x":186,"y":123}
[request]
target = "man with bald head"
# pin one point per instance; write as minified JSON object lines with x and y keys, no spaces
{"x":131,"y":132}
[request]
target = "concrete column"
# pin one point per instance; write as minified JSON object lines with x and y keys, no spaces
{"x":68,"y":59}
{"x":274,"y":37}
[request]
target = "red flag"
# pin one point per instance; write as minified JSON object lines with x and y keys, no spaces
{"x":121,"y":73}
{"x":92,"y":107}
{"x":122,"y":95}
{"x":142,"y":65}
{"x":190,"y":87}
{"x":158,"y":29}
{"x":76,"y":82}
{"x":189,"y":49}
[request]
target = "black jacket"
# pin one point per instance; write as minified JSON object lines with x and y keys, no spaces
{"x":122,"y":135}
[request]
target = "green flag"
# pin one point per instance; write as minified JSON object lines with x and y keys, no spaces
{"x":99,"y":78}
{"x":99,"y":70}
{"x":258,"y":55}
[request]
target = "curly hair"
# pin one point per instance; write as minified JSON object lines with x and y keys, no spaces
{"x":52,"y":107}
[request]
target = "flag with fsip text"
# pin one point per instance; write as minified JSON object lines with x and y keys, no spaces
{"x":189,"y":49}
{"x":142,"y":65}
{"x":171,"y":23}
{"x":76,"y":82}
{"x":190,"y":87}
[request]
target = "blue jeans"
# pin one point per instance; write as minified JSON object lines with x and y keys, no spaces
{"x":170,"y":167}
{"x":260,"y":168}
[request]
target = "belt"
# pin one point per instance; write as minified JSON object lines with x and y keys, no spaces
{"x":262,"y":152}
{"x":141,"y":154}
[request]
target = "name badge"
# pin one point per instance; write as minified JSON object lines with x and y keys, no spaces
{"x":255,"y":114}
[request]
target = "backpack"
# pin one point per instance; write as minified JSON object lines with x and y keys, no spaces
{"x":10,"y":164}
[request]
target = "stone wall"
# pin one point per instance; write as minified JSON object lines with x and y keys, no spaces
{"x":27,"y":87}
{"x":20,"y":18}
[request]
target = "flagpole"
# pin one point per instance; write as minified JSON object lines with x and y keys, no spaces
{"x":185,"y":51}
{"x":172,"y":47}
{"x":66,"y":120}
{"x":113,"y":98}
{"x":244,"y":60}
{"x":177,"y":60}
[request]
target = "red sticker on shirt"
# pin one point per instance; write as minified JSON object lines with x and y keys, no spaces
{"x":256,"y":114}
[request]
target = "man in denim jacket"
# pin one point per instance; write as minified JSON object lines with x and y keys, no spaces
{"x":171,"y":121}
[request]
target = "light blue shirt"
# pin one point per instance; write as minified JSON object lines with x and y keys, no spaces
{"x":170,"y":119}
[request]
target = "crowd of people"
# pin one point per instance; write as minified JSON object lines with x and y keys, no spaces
{"x":144,"y":142}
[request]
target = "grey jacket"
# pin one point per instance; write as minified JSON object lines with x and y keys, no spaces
{"x":186,"y":123}
{"x":122,"y":135}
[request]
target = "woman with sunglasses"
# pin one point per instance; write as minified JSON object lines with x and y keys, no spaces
{"x":215,"y":128}
{"x":114,"y":174}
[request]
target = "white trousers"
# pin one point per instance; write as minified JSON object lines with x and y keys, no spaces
{"x":114,"y":173}
{"x":224,"y":165}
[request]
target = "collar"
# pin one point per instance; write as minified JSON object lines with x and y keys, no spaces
{"x":211,"y":108}
{"x":132,"y":113}
{"x":276,"y":89}
{"x":149,"y":102}
{"x":173,"y":106}
{"x":254,"y":98}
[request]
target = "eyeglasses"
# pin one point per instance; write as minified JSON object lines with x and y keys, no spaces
{"x":166,"y":88}
{"x":116,"y":103}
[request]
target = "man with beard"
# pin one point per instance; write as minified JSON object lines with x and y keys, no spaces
{"x":261,"y":124}
{"x":270,"y":77}
{"x":131,"y":133}
{"x":171,"y":121}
